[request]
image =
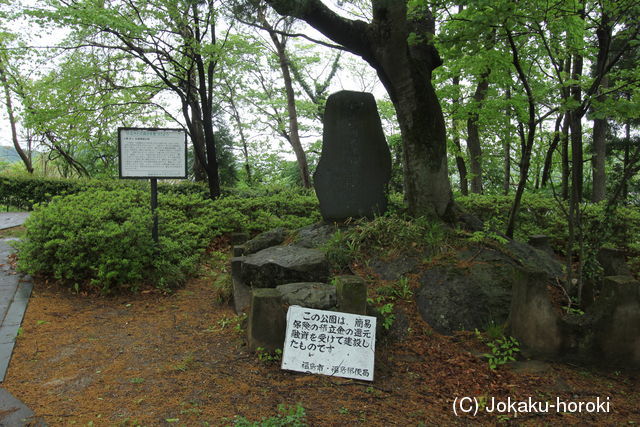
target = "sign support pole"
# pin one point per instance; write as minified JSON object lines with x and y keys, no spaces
{"x":154,"y":206}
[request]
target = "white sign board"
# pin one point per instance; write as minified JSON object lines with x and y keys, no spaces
{"x":329,"y":343}
{"x":152,"y":153}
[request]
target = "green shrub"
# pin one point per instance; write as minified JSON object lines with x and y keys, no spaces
{"x":94,"y":239}
{"x":541,"y":214}
{"x":25,"y":191}
{"x":101,"y":239}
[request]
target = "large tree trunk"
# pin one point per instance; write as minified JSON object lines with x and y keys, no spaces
{"x":473,"y":134}
{"x":404,"y":65}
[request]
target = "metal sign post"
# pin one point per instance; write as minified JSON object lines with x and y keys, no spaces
{"x":152,"y":153}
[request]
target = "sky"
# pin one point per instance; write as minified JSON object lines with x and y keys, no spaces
{"x":344,"y":80}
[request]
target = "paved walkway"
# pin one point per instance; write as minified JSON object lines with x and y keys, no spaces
{"x":15,"y":290}
{"x":12,"y":219}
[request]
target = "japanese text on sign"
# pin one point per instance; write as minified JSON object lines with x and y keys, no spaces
{"x":329,"y":343}
{"x":152,"y":153}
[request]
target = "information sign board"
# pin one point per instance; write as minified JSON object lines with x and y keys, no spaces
{"x":152,"y":153}
{"x":329,"y":343}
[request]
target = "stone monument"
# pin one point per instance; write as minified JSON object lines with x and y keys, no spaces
{"x":355,"y":165}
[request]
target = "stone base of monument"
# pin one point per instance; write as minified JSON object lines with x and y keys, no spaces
{"x":268,"y":308}
{"x":607,"y":333}
{"x":268,"y":279}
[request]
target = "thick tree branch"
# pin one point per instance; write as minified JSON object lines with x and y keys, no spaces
{"x":352,"y":34}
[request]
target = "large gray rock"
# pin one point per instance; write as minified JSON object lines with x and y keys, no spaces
{"x":315,"y":235}
{"x":265,"y":240}
{"x":355,"y":165}
{"x":278,"y":265}
{"x":535,"y":259}
{"x":317,"y":295}
{"x":453,"y":298}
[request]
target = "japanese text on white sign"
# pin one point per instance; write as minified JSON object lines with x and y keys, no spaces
{"x":152,"y":153}
{"x":329,"y":343}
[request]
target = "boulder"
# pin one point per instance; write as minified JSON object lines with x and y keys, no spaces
{"x":315,"y":235}
{"x":535,"y":259}
{"x":265,"y":240}
{"x":541,"y":242}
{"x":453,"y":298}
{"x":278,"y":265}
{"x":355,"y":164}
{"x":395,"y":268}
{"x":309,"y":294}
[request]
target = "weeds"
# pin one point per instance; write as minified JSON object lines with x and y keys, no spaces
{"x":294,"y":416}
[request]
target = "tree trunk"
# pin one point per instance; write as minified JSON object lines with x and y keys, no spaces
{"x":294,"y":134}
{"x":527,"y":144}
{"x":460,"y":164}
{"x":599,"y":156}
{"x":548,"y":160}
{"x":506,"y":179}
{"x":566,"y":167}
{"x":405,"y":70}
{"x":600,"y":124}
{"x":473,"y":135}
{"x":575,"y":126}
{"x":12,"y":121}
{"x":626,"y":158}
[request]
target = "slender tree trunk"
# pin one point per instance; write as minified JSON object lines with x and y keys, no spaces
{"x":294,"y":133}
{"x":245,"y":149}
{"x":525,"y":159}
{"x":198,"y":141}
{"x":566,"y":167}
{"x":506,"y":145}
{"x":548,"y":160}
{"x":473,"y":135}
{"x":626,"y":158}
{"x":12,"y":121}
{"x":599,"y":156}
{"x":600,"y":124}
{"x":460,"y":164}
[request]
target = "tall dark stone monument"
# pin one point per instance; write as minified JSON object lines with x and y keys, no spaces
{"x":355,"y":166}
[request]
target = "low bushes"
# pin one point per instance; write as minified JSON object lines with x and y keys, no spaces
{"x":542,"y":215}
{"x":100,"y":239}
{"x":26,"y":191}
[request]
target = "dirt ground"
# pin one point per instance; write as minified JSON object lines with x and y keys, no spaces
{"x":180,"y":359}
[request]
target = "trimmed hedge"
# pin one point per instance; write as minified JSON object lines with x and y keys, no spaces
{"x":26,"y":191}
{"x":100,"y":240}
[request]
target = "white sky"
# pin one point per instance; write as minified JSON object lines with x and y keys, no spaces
{"x":343,"y":80}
